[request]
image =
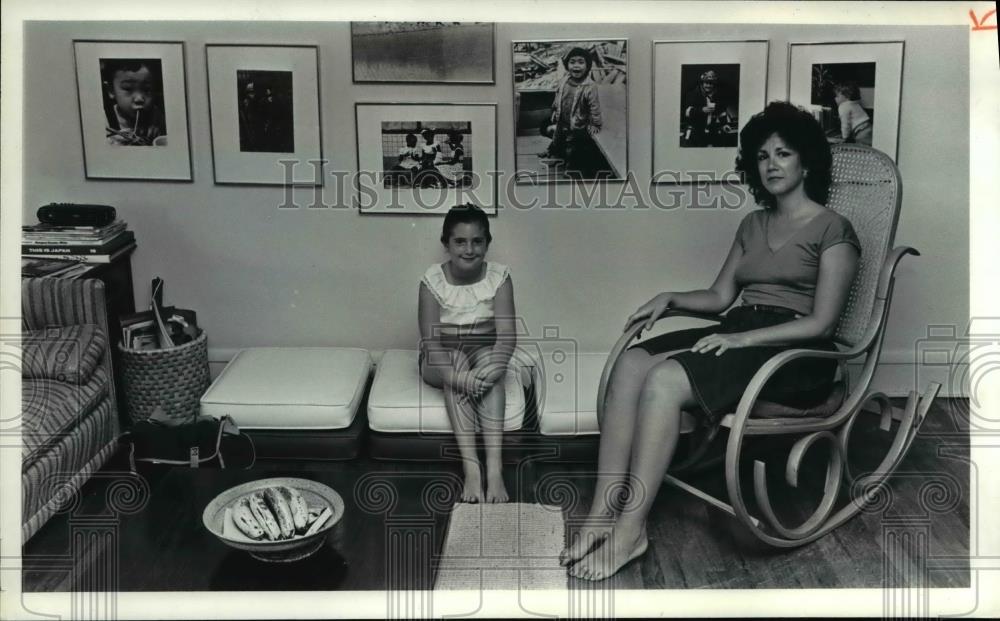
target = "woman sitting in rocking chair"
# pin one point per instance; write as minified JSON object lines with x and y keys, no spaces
{"x":793,"y":262}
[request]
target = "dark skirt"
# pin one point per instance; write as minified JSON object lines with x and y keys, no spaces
{"x":718,"y":382}
{"x":468,"y":344}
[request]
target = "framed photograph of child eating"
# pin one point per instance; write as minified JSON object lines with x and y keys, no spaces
{"x":132,"y":97}
{"x":570,"y":110}
{"x":851,"y":88}
{"x":265,"y":113}
{"x":703,"y":93}
{"x":424,"y":158}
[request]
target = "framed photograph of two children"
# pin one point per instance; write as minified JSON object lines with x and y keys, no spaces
{"x":703,"y":94}
{"x":264,"y":103}
{"x":133,"y":109}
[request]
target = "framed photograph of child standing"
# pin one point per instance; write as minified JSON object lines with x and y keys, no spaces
{"x":423,"y":158}
{"x":264,"y":103}
{"x":703,"y":94}
{"x":570,"y":110}
{"x":133,"y":109}
{"x":852,"y":89}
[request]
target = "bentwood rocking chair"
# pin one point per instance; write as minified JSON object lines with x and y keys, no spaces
{"x":867,"y":190}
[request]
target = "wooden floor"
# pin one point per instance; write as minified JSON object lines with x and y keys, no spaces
{"x":692,"y":545}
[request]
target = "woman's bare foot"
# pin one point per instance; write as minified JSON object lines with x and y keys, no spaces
{"x":496,"y":491}
{"x":593,"y":531}
{"x":472,"y":491}
{"x":604,"y":561}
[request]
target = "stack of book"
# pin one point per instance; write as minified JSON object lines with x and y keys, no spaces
{"x":86,"y":244}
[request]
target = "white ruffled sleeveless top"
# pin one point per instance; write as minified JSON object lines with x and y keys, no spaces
{"x":465,"y":304}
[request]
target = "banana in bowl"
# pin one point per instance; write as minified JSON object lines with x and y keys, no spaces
{"x":278,"y":519}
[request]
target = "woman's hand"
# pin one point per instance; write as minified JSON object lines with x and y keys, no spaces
{"x":720,"y":342}
{"x":650,"y":311}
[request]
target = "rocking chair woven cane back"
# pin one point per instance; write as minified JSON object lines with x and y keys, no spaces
{"x":867,"y":190}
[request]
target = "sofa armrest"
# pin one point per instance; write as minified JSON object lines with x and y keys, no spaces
{"x":47,"y":302}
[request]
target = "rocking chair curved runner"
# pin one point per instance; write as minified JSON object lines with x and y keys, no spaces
{"x":867,"y":190}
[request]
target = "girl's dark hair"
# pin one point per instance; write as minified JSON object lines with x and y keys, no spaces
{"x":849,"y":90}
{"x":411,"y":138}
{"x":578,"y":51}
{"x":465,"y":214}
{"x":801,"y":132}
{"x":455,"y":136}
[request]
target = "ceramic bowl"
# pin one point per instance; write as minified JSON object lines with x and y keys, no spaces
{"x":316,"y":495}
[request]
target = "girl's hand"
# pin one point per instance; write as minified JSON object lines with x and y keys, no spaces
{"x":470,"y":383}
{"x":650,"y":311}
{"x":719,"y":342}
{"x":593,"y":130}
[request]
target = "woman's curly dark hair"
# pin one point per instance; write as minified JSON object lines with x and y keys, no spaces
{"x":465,"y":214}
{"x":801,"y":132}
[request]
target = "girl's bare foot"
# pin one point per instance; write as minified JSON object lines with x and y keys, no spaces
{"x":604,"y":561}
{"x":472,"y":491}
{"x":496,"y":491}
{"x":593,"y":531}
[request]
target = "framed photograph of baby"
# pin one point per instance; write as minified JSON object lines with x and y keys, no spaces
{"x":265,"y":120}
{"x":570,"y":110}
{"x":852,"y":89}
{"x":431,"y":52}
{"x":132,"y":98}
{"x":425,"y":158}
{"x":703,"y":94}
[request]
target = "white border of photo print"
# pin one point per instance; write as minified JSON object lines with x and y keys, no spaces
{"x":374,"y":197}
{"x":103,"y":160}
{"x":671,"y":162}
{"x":233,"y":166}
{"x":888,"y":59}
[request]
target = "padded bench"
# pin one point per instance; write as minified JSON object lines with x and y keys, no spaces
{"x":407,"y":417}
{"x":295,"y":402}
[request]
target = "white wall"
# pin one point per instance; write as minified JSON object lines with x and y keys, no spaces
{"x":258,"y":275}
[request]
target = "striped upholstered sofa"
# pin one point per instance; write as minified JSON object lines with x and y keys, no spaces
{"x":69,"y":419}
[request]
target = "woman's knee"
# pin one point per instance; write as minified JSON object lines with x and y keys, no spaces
{"x":667,"y":382}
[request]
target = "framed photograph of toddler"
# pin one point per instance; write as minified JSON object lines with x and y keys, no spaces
{"x":132,"y":97}
{"x":703,"y":94}
{"x":265,"y":114}
{"x":852,"y":88}
{"x":420,"y":158}
{"x":570,"y":110}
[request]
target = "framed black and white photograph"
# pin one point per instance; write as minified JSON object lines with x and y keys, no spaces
{"x":432,"y":52}
{"x":264,"y":104}
{"x":852,"y":89}
{"x":570,"y":110}
{"x":133,"y":110}
{"x":703,"y":94}
{"x":426,"y":158}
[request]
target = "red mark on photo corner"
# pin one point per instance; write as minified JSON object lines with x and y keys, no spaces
{"x":980,"y":24}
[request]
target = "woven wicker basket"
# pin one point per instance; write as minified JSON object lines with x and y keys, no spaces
{"x":173,"y":379}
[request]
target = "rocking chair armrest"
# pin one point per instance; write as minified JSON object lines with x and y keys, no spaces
{"x":630,"y":334}
{"x":764,"y":374}
{"x":889,"y":268}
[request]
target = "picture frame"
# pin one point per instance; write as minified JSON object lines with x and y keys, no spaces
{"x":845,"y":83}
{"x":424,"y":158}
{"x":423,"y":52}
{"x":132,"y":97}
{"x":703,"y":94}
{"x":264,"y":103}
{"x":546,"y":148}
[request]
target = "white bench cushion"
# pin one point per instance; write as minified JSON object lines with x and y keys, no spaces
{"x":401,"y":402}
{"x":290,"y":387}
{"x":566,"y":392}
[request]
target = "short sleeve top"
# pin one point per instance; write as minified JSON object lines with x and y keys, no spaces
{"x":787,"y":276}
{"x":463,"y":305}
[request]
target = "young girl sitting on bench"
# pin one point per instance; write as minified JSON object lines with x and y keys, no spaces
{"x":466,"y":315}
